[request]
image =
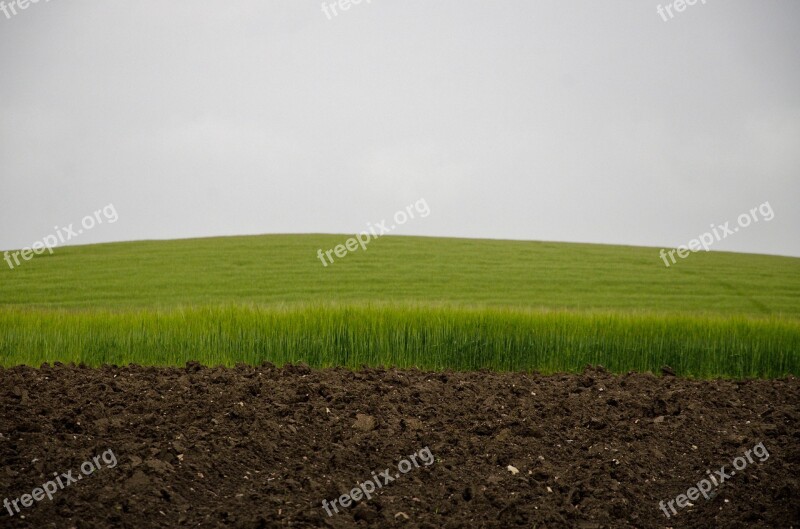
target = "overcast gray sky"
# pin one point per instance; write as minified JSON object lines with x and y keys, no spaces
{"x":569,"y":120}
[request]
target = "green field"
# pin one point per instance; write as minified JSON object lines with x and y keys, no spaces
{"x":406,"y":301}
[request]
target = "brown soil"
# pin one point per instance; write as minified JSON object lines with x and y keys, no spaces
{"x":259,"y":447}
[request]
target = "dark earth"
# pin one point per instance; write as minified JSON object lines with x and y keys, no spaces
{"x":260,"y":447}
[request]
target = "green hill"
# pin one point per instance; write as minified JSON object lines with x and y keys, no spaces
{"x":279,"y":269}
{"x":430,"y":302}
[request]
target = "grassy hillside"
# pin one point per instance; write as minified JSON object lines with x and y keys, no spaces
{"x":279,"y":269}
{"x":405,"y":301}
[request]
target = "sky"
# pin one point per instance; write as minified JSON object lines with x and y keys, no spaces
{"x":578,"y":121}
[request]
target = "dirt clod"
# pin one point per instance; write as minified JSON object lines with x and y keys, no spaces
{"x":365,"y":423}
